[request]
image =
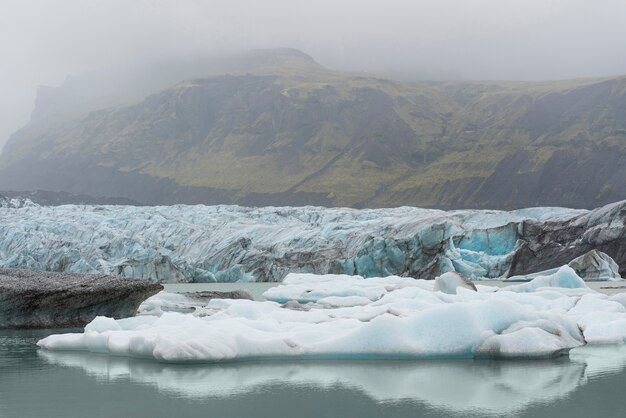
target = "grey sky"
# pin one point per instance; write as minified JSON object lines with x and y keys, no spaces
{"x":42,"y":41}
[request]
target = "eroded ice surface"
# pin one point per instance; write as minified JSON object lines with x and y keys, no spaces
{"x":230,"y":243}
{"x":350,"y":317}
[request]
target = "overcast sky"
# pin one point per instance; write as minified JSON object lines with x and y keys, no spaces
{"x":42,"y":41}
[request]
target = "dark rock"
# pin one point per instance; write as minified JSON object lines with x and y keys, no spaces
{"x":41,"y":299}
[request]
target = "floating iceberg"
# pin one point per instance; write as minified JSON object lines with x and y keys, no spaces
{"x":591,"y":267}
{"x":347,"y":317}
{"x":564,"y":277}
{"x":231,"y":243}
{"x":36,"y":299}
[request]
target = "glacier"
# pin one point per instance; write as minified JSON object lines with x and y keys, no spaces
{"x":15,"y":202}
{"x":231,"y":243}
{"x":350,"y":317}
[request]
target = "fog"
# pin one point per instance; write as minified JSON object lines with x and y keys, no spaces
{"x":43,"y":41}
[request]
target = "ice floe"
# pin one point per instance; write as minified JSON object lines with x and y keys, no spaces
{"x":347,"y":317}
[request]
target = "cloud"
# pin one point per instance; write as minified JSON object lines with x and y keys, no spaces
{"x":42,"y":41}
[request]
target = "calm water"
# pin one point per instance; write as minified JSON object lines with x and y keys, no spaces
{"x":37,"y":383}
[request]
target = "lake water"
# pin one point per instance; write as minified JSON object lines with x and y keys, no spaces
{"x":36,"y":383}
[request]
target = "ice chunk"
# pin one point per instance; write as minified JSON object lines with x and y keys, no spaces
{"x":449,"y":282}
{"x":595,"y":266}
{"x":564,"y":277}
{"x":592,"y":266}
{"x":355,"y":318}
{"x":186,"y":302}
{"x":533,"y":338}
{"x":306,"y":288}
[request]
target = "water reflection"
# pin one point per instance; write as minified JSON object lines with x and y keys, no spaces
{"x":480,"y":386}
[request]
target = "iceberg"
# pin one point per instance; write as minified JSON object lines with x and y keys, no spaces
{"x":35,"y":299}
{"x":564,"y":277}
{"x":595,"y":266}
{"x":231,"y":243}
{"x":346,"y":317}
{"x":591,"y":267}
{"x":449,"y":283}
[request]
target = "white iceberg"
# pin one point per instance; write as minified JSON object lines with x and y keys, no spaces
{"x":564,"y":277}
{"x":346,"y":317}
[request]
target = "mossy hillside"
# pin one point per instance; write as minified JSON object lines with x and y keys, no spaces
{"x":353,"y":140}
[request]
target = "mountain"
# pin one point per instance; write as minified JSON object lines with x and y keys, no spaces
{"x":276,"y":128}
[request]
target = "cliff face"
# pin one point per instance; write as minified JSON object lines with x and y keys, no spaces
{"x":286,"y":131}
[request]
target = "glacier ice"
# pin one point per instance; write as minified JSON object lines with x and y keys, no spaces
{"x":230,"y":243}
{"x":15,"y":202}
{"x":349,"y":317}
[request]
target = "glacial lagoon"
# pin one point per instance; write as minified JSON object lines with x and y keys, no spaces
{"x":42,"y":383}
{"x":37,"y":383}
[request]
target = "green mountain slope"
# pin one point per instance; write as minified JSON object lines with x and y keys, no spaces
{"x":284,"y":130}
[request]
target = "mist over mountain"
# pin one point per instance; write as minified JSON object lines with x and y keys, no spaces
{"x":42,"y":42}
{"x":273,"y":127}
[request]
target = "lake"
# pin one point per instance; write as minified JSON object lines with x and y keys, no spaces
{"x":37,"y":383}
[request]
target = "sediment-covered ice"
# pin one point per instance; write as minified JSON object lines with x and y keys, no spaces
{"x":230,"y":243}
{"x":591,"y":267}
{"x":329,"y":316}
{"x":42,"y":299}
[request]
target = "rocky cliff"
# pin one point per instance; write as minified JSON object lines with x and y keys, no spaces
{"x":283,"y":130}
